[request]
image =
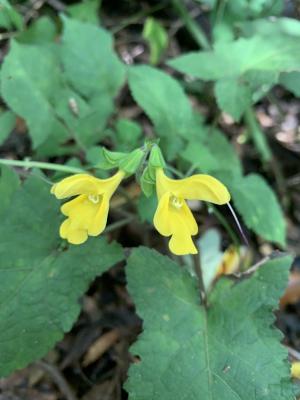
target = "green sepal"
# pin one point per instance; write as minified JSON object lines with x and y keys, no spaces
{"x":148,"y":181}
{"x":131,"y":162}
{"x":156,"y":158}
{"x":127,"y":162}
{"x":113,"y":157}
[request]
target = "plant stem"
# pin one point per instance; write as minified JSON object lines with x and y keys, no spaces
{"x":198,"y":271}
{"x":119,"y":224}
{"x":175,"y":171}
{"x":194,"y":28}
{"x":27,"y":164}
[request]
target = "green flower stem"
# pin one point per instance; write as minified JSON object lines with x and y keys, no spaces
{"x":194,"y":28}
{"x":119,"y":224}
{"x":174,"y":171}
{"x":27,"y":164}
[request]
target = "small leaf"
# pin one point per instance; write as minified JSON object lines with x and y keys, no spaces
{"x":41,"y":282}
{"x":230,"y":351}
{"x":157,"y":38}
{"x":89,"y":61}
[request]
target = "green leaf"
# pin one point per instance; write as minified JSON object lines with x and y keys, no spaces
{"x":233,"y":97}
{"x":231,"y":351}
{"x":85,"y":120}
{"x":9,"y":183}
{"x":128,"y":135}
{"x":213,"y":153}
{"x":259,"y":53}
{"x":166,"y":104}
{"x":244,"y":9}
{"x":157,"y":37}
{"x":271,"y":26}
{"x":40,"y":281}
{"x":259,"y":207}
{"x":7,"y":123}
{"x":85,"y":11}
{"x":9,"y":17}
{"x":30,"y":77}
{"x":41,"y":31}
{"x":146,"y":208}
{"x":291,"y":81}
{"x":89,"y":61}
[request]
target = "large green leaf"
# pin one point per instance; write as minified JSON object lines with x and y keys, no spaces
{"x":7,"y":123}
{"x":291,"y":81}
{"x":231,"y":351}
{"x":9,"y":183}
{"x":259,"y":207}
{"x":228,"y":60}
{"x":233,"y":96}
{"x":213,"y":153}
{"x":166,"y":104}
{"x":89,"y":60}
{"x":30,"y":77}
{"x":244,"y":69}
{"x":41,"y":281}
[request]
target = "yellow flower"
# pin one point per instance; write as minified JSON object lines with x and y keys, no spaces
{"x":173,"y":216}
{"x":295,"y":369}
{"x":87,"y":213}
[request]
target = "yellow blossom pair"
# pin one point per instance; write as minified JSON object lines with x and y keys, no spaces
{"x":87,"y":213}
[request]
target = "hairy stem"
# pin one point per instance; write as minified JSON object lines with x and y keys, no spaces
{"x":27,"y":164}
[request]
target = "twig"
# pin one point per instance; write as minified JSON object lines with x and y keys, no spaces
{"x":58,"y":378}
{"x":294,"y":353}
{"x":256,"y":266}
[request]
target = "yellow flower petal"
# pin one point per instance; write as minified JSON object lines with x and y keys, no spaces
{"x":161,"y":219}
{"x":189,"y":219}
{"x":86,"y":184}
{"x":196,"y":187}
{"x":98,"y":223}
{"x":87,"y":213}
{"x":295,"y":369}
{"x":181,"y":242}
{"x":74,"y":236}
{"x":74,"y":185}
